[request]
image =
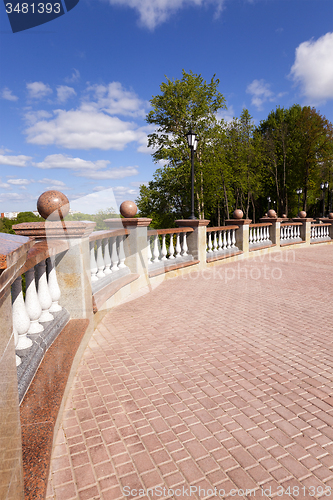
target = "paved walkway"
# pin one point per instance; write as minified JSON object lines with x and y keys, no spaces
{"x":222,"y":380}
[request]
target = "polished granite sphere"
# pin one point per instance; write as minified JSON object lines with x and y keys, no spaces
{"x":238,"y":214}
{"x":302,"y":214}
{"x":53,"y":205}
{"x":284,"y":216}
{"x":128,"y":209}
{"x":272,"y":214}
{"x":330,"y":215}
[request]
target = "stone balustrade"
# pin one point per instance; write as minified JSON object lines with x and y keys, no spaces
{"x":54,"y":273}
{"x":321,"y":232}
{"x":290,"y":232}
{"x":259,"y":235}
{"x":168,"y":248}
{"x":221,"y":242}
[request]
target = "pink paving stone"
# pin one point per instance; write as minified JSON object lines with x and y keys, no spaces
{"x":146,"y":380}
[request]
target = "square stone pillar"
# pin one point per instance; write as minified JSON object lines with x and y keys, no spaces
{"x":136,"y":244}
{"x":72,"y":265}
{"x":197,"y":239}
{"x":305,"y":228}
{"x":274,"y":229}
{"x":242,"y":233}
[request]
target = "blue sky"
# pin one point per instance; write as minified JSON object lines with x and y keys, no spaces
{"x":74,"y":92}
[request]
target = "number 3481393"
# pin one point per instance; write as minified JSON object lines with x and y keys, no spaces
{"x":33,"y":8}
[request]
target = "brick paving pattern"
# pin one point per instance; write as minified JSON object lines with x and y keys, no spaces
{"x":216,"y":380}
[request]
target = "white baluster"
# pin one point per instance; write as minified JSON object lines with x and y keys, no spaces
{"x":122,"y":255}
{"x":156,"y":252}
{"x":164,"y":252}
{"x":233,"y":239}
{"x":171,"y":248}
{"x":43,"y":293}
{"x":100,"y":260}
{"x":32,"y":304}
{"x":53,"y":285}
{"x":185,"y":247}
{"x":250,"y":236}
{"x":21,"y":320}
{"x":215,"y":242}
{"x":149,"y":251}
{"x":93,"y":264}
{"x":17,"y":358}
{"x":178,"y":247}
{"x":220,"y":247}
{"x":229,"y":239}
{"x":225,"y":240}
{"x":107,"y":257}
{"x":261,"y":237}
{"x":210,"y":245}
{"x":114,"y":254}
{"x":281,"y":233}
{"x":298,"y":232}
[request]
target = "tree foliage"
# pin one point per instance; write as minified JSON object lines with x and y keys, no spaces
{"x":237,"y":164}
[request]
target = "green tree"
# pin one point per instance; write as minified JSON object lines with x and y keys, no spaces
{"x":298,"y":152}
{"x":183,"y":104}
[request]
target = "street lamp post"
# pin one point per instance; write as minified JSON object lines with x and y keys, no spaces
{"x":269,"y":202}
{"x":323,"y":187}
{"x":299,"y":192}
{"x":192,"y":142}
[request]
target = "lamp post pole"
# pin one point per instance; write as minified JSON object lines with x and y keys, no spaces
{"x":192,"y":142}
{"x":269,"y":202}
{"x":299,"y":192}
{"x":323,"y":187}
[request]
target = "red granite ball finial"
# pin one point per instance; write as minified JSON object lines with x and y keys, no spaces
{"x":128,"y":209}
{"x":302,"y":214}
{"x":272,"y":214}
{"x":238,"y":214}
{"x":53,"y":205}
{"x":284,"y":216}
{"x":330,"y":215}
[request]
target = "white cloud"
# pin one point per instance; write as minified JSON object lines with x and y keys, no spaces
{"x":226,"y":114}
{"x":32,"y":117}
{"x":19,"y":182}
{"x":91,"y":203}
{"x":313,"y":68}
{"x":112,"y":173}
{"x":62,"y":161}
{"x":59,"y":184}
{"x":15,"y":161}
{"x":74,"y":78}
{"x":8,"y":95}
{"x":85,"y":168}
{"x":12,"y":197}
{"x":38,"y":90}
{"x":4,"y":184}
{"x":153,"y":13}
{"x":77,"y":129}
{"x":261,"y":93}
{"x":115,"y":100}
{"x":64,"y":93}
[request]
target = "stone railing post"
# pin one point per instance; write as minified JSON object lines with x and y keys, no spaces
{"x":242,"y":234}
{"x":196,"y":240}
{"x":305,"y":227}
{"x":13,"y":254}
